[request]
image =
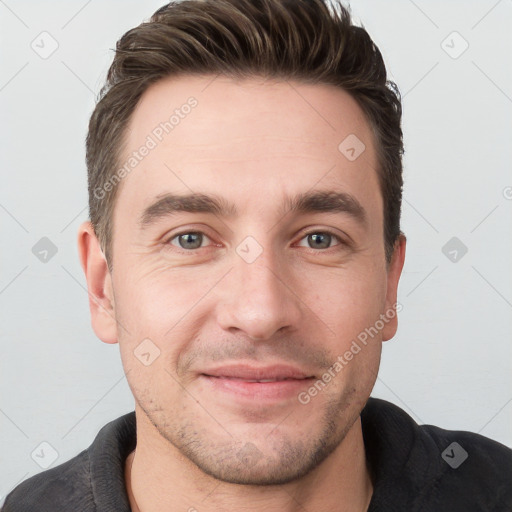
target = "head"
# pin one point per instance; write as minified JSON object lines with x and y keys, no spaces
{"x":245,"y":186}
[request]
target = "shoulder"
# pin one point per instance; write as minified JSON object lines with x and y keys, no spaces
{"x":471,"y":468}
{"x":54,"y":489}
{"x":433,"y":468}
{"x":93,"y":479}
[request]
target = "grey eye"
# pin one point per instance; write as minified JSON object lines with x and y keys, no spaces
{"x":319,"y":240}
{"x":189,"y":241}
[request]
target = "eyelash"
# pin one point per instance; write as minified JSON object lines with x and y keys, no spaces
{"x":336,"y":237}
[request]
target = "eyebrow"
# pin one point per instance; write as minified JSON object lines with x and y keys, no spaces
{"x":169,"y":204}
{"x":307,"y":202}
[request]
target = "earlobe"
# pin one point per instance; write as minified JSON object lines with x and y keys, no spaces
{"x":394,"y":272}
{"x":99,"y":284}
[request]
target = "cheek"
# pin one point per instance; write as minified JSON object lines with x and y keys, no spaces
{"x":348,"y":300}
{"x":154,"y":314}
{"x":155,"y":299}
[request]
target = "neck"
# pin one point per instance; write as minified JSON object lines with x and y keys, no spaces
{"x":158,"y":477}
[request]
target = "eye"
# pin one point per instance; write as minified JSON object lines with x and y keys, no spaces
{"x":321,"y":240}
{"x":190,"y":240}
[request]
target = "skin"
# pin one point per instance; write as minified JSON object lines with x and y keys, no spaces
{"x":251,"y":142}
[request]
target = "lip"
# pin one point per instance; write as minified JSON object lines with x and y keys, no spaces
{"x":276,"y":372}
{"x":280,"y":382}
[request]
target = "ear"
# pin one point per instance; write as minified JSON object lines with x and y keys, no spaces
{"x":394,"y":272}
{"x":99,"y":284}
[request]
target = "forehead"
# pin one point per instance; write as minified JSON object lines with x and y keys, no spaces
{"x":211,"y":134}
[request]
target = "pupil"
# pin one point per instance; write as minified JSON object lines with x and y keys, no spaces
{"x":321,"y":240}
{"x":190,"y":240}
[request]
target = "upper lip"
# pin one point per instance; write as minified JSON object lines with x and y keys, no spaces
{"x":247,"y":372}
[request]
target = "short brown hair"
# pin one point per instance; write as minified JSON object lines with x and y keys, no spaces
{"x":312,"y":41}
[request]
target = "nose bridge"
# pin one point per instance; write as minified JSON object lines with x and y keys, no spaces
{"x":258,"y":300}
{"x":260,"y":278}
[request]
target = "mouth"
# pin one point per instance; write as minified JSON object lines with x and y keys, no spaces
{"x":252,"y":380}
{"x":268,"y":383}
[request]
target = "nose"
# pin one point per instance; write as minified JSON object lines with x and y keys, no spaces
{"x":259,"y":299}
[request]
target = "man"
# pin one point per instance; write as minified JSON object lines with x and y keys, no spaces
{"x":245,"y":250}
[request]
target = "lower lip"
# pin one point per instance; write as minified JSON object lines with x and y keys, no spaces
{"x":278,"y":390}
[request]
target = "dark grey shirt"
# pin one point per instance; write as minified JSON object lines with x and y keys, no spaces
{"x":414,"y":469}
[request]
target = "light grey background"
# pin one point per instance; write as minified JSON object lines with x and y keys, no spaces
{"x":450,"y":363}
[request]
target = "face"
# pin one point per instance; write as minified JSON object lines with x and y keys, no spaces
{"x":248,"y":258}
